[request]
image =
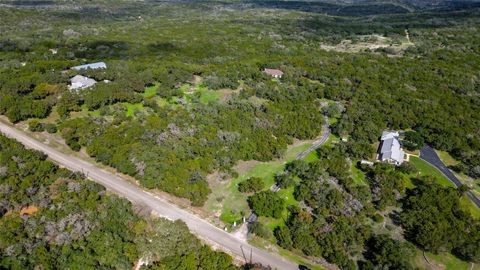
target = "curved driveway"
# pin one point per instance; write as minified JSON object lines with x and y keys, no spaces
{"x":159,"y":205}
{"x":428,"y":154}
{"x":317,"y":143}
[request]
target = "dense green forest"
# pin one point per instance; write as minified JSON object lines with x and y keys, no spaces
{"x":184,"y":96}
{"x":175,"y":139}
{"x":52,"y":218}
{"x":335,"y":215}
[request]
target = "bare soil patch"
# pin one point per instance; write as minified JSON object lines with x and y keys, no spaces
{"x":29,"y":210}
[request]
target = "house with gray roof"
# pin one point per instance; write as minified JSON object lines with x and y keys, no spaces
{"x":390,"y":150}
{"x":81,"y":82}
{"x":98,"y":65}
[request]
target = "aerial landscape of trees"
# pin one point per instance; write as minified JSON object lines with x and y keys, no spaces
{"x":334,"y":213}
{"x":184,"y":97}
{"x":53,"y":218}
{"x":259,"y":121}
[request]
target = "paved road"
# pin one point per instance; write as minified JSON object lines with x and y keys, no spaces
{"x":317,"y":143}
{"x":161,"y":206}
{"x":428,"y":154}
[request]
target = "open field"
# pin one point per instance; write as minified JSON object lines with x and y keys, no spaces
{"x":227,"y":200}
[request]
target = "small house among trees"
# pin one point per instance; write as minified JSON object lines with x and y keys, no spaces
{"x":276,"y":73}
{"x":390,"y":150}
{"x":81,"y":82}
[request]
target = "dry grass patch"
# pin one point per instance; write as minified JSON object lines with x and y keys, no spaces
{"x":29,"y":210}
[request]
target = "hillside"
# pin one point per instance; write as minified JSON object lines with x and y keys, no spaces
{"x":207,"y":104}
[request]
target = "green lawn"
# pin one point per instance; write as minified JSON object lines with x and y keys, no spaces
{"x":470,"y":206}
{"x":426,"y":169}
{"x":150,"y":91}
{"x":449,"y":261}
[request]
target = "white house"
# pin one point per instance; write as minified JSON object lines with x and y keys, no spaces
{"x":81,"y":82}
{"x":99,"y":65}
{"x":390,"y":149}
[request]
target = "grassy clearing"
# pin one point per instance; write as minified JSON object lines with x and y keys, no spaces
{"x":150,"y":91}
{"x":311,"y":157}
{"x":131,"y":108}
{"x":426,"y":169}
{"x":332,"y":139}
{"x":409,"y":183}
{"x":208,"y":96}
{"x":358,"y":175}
{"x":199,"y":93}
{"x":53,"y":117}
{"x":226,"y":198}
{"x":449,"y":261}
{"x":446,"y":158}
{"x":470,"y":206}
{"x":205,"y":95}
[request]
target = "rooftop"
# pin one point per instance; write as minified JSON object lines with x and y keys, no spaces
{"x":390,"y":149}
{"x":81,"y":82}
{"x":273,"y":72}
{"x":91,"y":66}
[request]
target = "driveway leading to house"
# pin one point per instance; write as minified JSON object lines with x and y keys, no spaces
{"x":319,"y":142}
{"x":164,"y":208}
{"x":428,"y":154}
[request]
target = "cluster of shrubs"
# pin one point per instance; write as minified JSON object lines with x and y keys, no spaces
{"x":37,"y":126}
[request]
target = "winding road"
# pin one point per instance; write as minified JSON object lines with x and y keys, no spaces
{"x":428,"y":154}
{"x":164,"y":208}
{"x":317,"y":143}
